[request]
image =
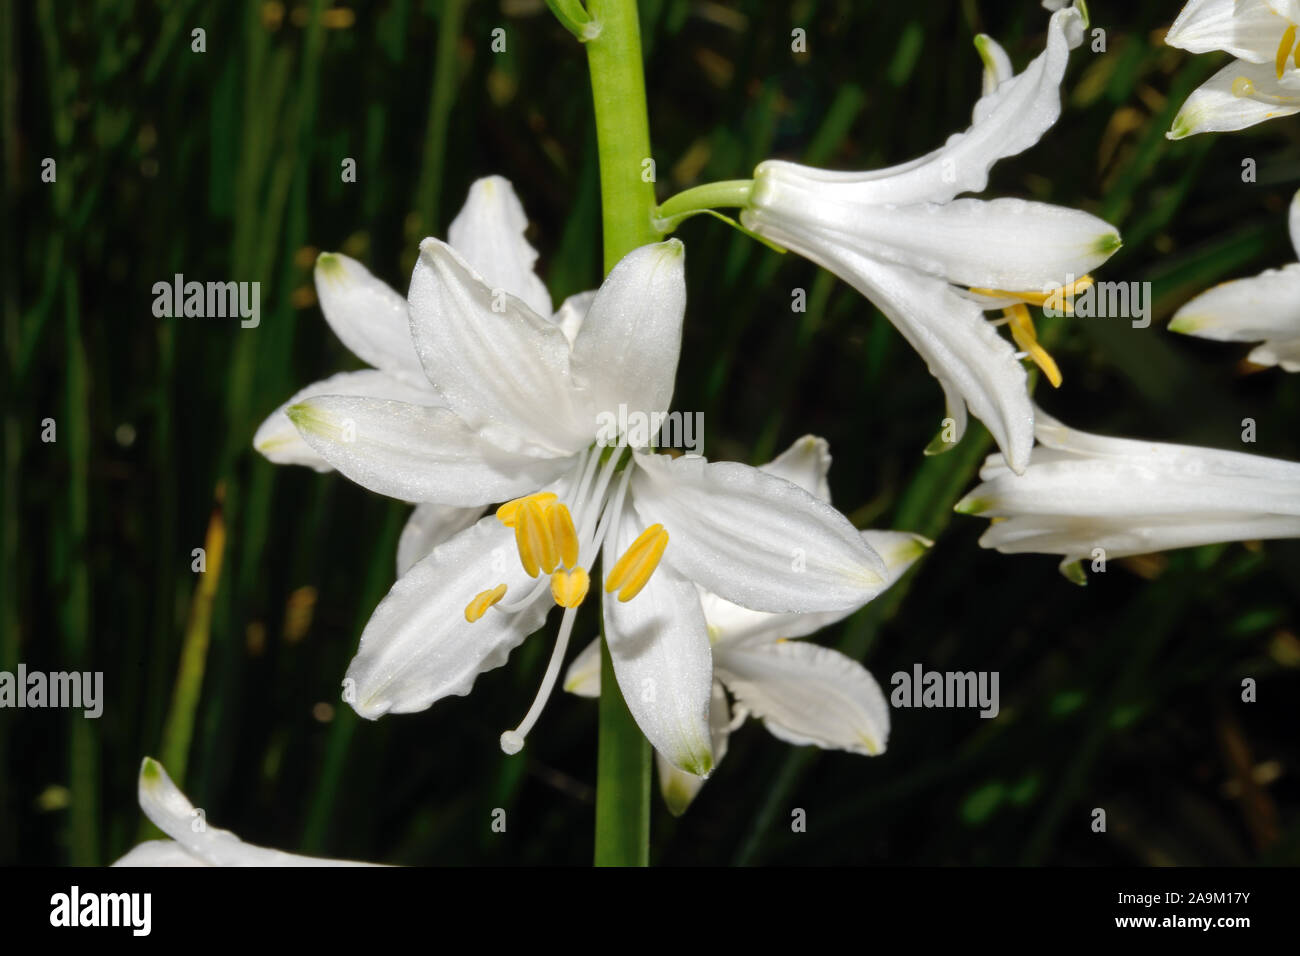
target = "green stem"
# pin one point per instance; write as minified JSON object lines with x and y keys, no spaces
{"x":622,"y":778}
{"x":691,"y":202}
{"x":627,"y":210}
{"x":627,"y":193}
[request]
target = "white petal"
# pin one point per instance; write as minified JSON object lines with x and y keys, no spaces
{"x":732,"y":624}
{"x":626,"y":353}
{"x":1076,"y":538}
{"x":1007,"y":121}
{"x":416,"y":453}
{"x":677,"y":787}
{"x":159,"y":853}
{"x":429,"y":526}
{"x":1265,"y":307}
{"x":489,"y":232}
{"x":1214,"y":107}
{"x":278,"y":439}
{"x":1114,"y":488}
{"x":583,"y":676}
{"x":754,"y":539}
{"x":806,"y":463}
{"x":808,"y":694}
{"x":1006,"y":244}
{"x":167,"y":807}
{"x":1190,"y":460}
{"x":368,"y":316}
{"x":501,"y":367}
{"x":660,"y":652}
{"x":1245,"y":28}
{"x":418,"y":648}
{"x":573,"y":313}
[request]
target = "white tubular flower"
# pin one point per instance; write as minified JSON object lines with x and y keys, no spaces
{"x":531,"y":412}
{"x":371,"y":319}
{"x":1089,"y":497}
{"x":934,"y":264}
{"x":194,"y":842}
{"x":1263,"y":308}
{"x":804,"y":694}
{"x":1261,"y":84}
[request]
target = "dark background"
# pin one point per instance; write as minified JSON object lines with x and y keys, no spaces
{"x":225,"y":165}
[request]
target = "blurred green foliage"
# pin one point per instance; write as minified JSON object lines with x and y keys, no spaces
{"x":225,"y":165}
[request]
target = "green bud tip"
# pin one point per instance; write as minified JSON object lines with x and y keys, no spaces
{"x":1108,"y":243}
{"x":330,"y":265}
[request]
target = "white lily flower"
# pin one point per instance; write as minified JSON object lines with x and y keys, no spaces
{"x":1265,"y":307}
{"x":194,"y":842}
{"x":933,"y":264}
{"x":804,"y":694}
{"x":526,"y":415}
{"x":1090,"y":497}
{"x":371,"y":319}
{"x":1261,"y":84}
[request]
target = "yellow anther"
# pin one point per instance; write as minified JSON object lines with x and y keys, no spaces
{"x":631,"y":572}
{"x":569,"y":588}
{"x":476,"y":608}
{"x":1284,"y":50}
{"x":1022,"y":330}
{"x":563,"y":533}
{"x":1062,"y":295}
{"x":533,"y":538}
{"x":508,"y":513}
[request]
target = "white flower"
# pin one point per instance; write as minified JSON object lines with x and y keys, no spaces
{"x":1266,"y":307}
{"x":805,"y":694}
{"x":194,"y":842}
{"x":1084,"y":492}
{"x":526,"y":415}
{"x":1261,"y":84}
{"x":370,"y":318}
{"x":934,"y":264}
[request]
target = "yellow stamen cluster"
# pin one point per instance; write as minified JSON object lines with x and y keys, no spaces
{"x":632,"y":571}
{"x":1022,"y":326}
{"x":547,"y":542}
{"x":544,"y":532}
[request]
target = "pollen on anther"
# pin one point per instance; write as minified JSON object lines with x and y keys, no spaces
{"x":563,"y":533}
{"x":476,"y":608}
{"x":633,"y":570}
{"x":537,"y":550}
{"x":569,"y":588}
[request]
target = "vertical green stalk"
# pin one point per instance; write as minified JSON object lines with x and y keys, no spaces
{"x":627,"y":192}
{"x":627,"y":202}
